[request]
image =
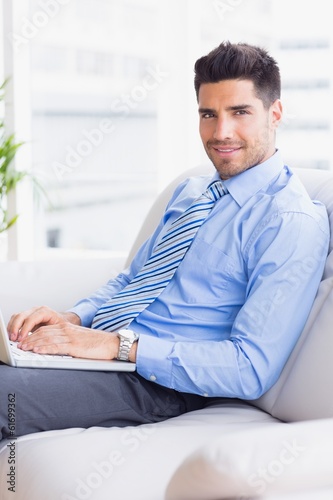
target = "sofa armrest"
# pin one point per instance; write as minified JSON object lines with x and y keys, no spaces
{"x":57,"y":283}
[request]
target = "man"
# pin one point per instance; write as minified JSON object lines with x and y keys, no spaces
{"x":224,"y":324}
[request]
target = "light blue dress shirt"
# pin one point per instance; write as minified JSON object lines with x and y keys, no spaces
{"x":230,"y":317}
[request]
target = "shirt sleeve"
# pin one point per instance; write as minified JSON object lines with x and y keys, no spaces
{"x":284,"y":264}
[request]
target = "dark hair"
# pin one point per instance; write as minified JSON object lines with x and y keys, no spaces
{"x":242,"y":62}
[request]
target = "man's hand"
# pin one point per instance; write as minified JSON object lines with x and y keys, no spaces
{"x":21,"y":324}
{"x":45,"y":331}
{"x":67,"y":339}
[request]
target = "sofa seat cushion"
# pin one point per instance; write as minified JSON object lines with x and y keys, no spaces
{"x":133,"y":463}
{"x":258,"y":463}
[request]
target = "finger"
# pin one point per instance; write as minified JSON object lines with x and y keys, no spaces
{"x":16,"y":323}
{"x":45,"y":342}
{"x":21,"y":324}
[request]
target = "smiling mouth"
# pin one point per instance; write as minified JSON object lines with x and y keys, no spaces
{"x":224,"y":147}
{"x":226,"y":150}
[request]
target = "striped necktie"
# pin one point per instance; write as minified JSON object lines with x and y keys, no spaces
{"x":157,"y":272}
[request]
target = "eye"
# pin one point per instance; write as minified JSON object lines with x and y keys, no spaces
{"x":241,"y":112}
{"x":205,"y":116}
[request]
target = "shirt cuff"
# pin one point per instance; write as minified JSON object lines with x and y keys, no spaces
{"x":153,"y":360}
{"x":85,"y":313}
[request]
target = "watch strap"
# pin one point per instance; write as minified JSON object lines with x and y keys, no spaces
{"x":125,"y":344}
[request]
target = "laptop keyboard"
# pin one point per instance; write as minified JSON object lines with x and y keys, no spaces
{"x":19,"y":354}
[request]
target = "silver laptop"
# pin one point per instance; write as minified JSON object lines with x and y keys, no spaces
{"x":11,"y":355}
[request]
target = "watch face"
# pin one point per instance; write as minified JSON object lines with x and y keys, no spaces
{"x":128,"y":334}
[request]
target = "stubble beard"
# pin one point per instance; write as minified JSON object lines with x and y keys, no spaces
{"x":252,"y":154}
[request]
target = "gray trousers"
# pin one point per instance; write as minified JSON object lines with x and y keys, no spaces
{"x":34,"y":400}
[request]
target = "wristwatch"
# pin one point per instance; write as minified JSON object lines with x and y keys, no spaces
{"x":127,"y":339}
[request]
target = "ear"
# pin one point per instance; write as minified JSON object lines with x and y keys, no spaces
{"x":276,"y":112}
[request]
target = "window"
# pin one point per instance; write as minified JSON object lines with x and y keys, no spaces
{"x":104,"y":99}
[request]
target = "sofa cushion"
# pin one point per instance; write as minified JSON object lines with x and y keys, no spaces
{"x":296,"y":457}
{"x":33,"y":283}
{"x":304,"y":389}
{"x":129,"y":463}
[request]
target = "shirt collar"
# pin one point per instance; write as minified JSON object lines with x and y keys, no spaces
{"x":243,"y":186}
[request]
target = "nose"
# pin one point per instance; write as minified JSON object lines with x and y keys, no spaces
{"x":223,"y":129}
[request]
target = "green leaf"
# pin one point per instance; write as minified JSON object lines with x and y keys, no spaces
{"x":9,"y":177}
{"x":7,"y":224}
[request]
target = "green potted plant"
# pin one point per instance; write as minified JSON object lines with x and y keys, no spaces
{"x":9,"y":177}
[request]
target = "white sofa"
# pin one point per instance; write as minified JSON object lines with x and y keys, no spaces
{"x":279,"y":447}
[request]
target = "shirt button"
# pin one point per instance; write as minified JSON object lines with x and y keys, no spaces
{"x":152,"y":378}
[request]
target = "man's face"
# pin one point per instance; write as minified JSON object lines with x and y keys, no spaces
{"x":236,"y":130}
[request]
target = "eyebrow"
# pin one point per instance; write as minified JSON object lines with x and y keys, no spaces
{"x":238,"y":107}
{"x":206,"y":110}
